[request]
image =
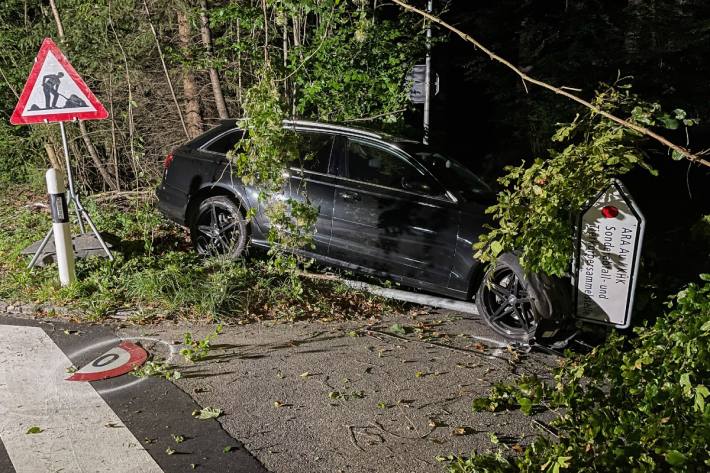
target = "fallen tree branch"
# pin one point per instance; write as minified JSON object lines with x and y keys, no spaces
{"x":695,"y":158}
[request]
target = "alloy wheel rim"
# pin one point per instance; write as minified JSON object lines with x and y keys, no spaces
{"x":218,"y":232}
{"x":509,"y":304}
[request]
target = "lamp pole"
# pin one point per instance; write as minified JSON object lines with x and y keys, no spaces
{"x":427,"y":75}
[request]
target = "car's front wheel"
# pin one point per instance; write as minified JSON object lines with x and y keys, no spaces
{"x":508,"y":301}
{"x":219,"y":228}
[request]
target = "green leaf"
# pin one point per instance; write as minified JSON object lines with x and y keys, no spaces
{"x":496,"y":248}
{"x":207,"y":413}
{"x":677,"y":155}
{"x":685,"y":383}
{"x":679,"y":113}
{"x":669,"y":122}
{"x":34,"y":430}
{"x":228,"y":449}
{"x":526,"y":405}
{"x":398,"y":329}
{"x":675,"y":458}
{"x":701,"y":392}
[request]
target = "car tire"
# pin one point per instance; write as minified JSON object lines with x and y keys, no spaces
{"x":218,"y":228}
{"x":517,"y":305}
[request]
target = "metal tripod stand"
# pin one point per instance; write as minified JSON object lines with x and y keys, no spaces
{"x":81,"y":212}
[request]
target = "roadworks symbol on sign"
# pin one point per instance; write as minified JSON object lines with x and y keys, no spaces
{"x":54,"y":92}
{"x":115,"y":362}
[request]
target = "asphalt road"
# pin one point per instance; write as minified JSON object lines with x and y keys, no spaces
{"x":151,"y":409}
{"x":356,"y":397}
{"x":352,"y":396}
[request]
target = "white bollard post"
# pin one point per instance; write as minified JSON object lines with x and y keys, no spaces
{"x":60,"y":225}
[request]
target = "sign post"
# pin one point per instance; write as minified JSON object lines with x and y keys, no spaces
{"x":54,"y":93}
{"x":609,"y":240}
{"x":60,"y":227}
{"x":427,"y":76}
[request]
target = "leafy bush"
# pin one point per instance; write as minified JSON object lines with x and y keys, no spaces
{"x":13,"y":155}
{"x":535,"y":210}
{"x":637,"y":404}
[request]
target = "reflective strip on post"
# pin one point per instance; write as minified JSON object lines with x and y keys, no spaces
{"x":60,"y":225}
{"x":58,"y":207}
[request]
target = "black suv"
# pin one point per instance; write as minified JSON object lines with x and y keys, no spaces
{"x":388,"y":206}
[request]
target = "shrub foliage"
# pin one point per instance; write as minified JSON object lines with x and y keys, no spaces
{"x":637,"y":404}
{"x":536,"y":207}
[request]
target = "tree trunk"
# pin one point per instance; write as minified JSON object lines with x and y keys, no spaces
{"x":57,"y":19}
{"x":95,"y":157}
{"x":193,"y":116}
{"x":214,"y":76}
{"x":55,"y":162}
{"x":165,"y":69}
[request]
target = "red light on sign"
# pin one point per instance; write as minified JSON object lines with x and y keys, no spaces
{"x":610,"y":211}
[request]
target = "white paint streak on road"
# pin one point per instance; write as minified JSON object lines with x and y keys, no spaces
{"x":80,"y":431}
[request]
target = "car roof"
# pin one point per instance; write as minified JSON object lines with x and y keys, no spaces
{"x":335,"y":127}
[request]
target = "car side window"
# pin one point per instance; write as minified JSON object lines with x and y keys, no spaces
{"x":226,"y":142}
{"x":314,"y":151}
{"x":376,"y":166}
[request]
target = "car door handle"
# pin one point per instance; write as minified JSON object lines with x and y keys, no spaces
{"x":350,"y":195}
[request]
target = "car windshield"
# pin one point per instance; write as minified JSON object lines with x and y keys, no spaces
{"x":450,"y":172}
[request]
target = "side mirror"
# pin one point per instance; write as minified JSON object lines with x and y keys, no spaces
{"x":420,"y":185}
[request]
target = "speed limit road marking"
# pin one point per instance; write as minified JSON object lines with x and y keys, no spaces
{"x":115,"y":362}
{"x":72,"y":417}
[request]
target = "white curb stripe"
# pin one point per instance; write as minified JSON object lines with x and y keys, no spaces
{"x":80,"y":431}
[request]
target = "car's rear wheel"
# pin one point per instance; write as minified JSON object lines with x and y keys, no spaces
{"x":507,"y":300}
{"x":219,"y":228}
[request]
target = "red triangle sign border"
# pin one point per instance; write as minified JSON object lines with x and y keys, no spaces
{"x":18,"y":117}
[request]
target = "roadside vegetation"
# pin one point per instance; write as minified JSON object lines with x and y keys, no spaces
{"x":157,"y":276}
{"x":638,"y":403}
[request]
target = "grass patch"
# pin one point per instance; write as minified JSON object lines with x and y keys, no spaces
{"x":156,"y":274}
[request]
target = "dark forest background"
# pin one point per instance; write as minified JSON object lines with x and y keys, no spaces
{"x":346,"y":61}
{"x":359,"y":51}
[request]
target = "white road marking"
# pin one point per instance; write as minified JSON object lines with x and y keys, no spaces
{"x":80,"y":431}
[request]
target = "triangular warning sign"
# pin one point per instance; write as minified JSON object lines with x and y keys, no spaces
{"x":54,"y":92}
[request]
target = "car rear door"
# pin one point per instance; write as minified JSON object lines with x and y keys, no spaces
{"x":195,"y":166}
{"x":311,"y":180}
{"x":381,"y":225}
